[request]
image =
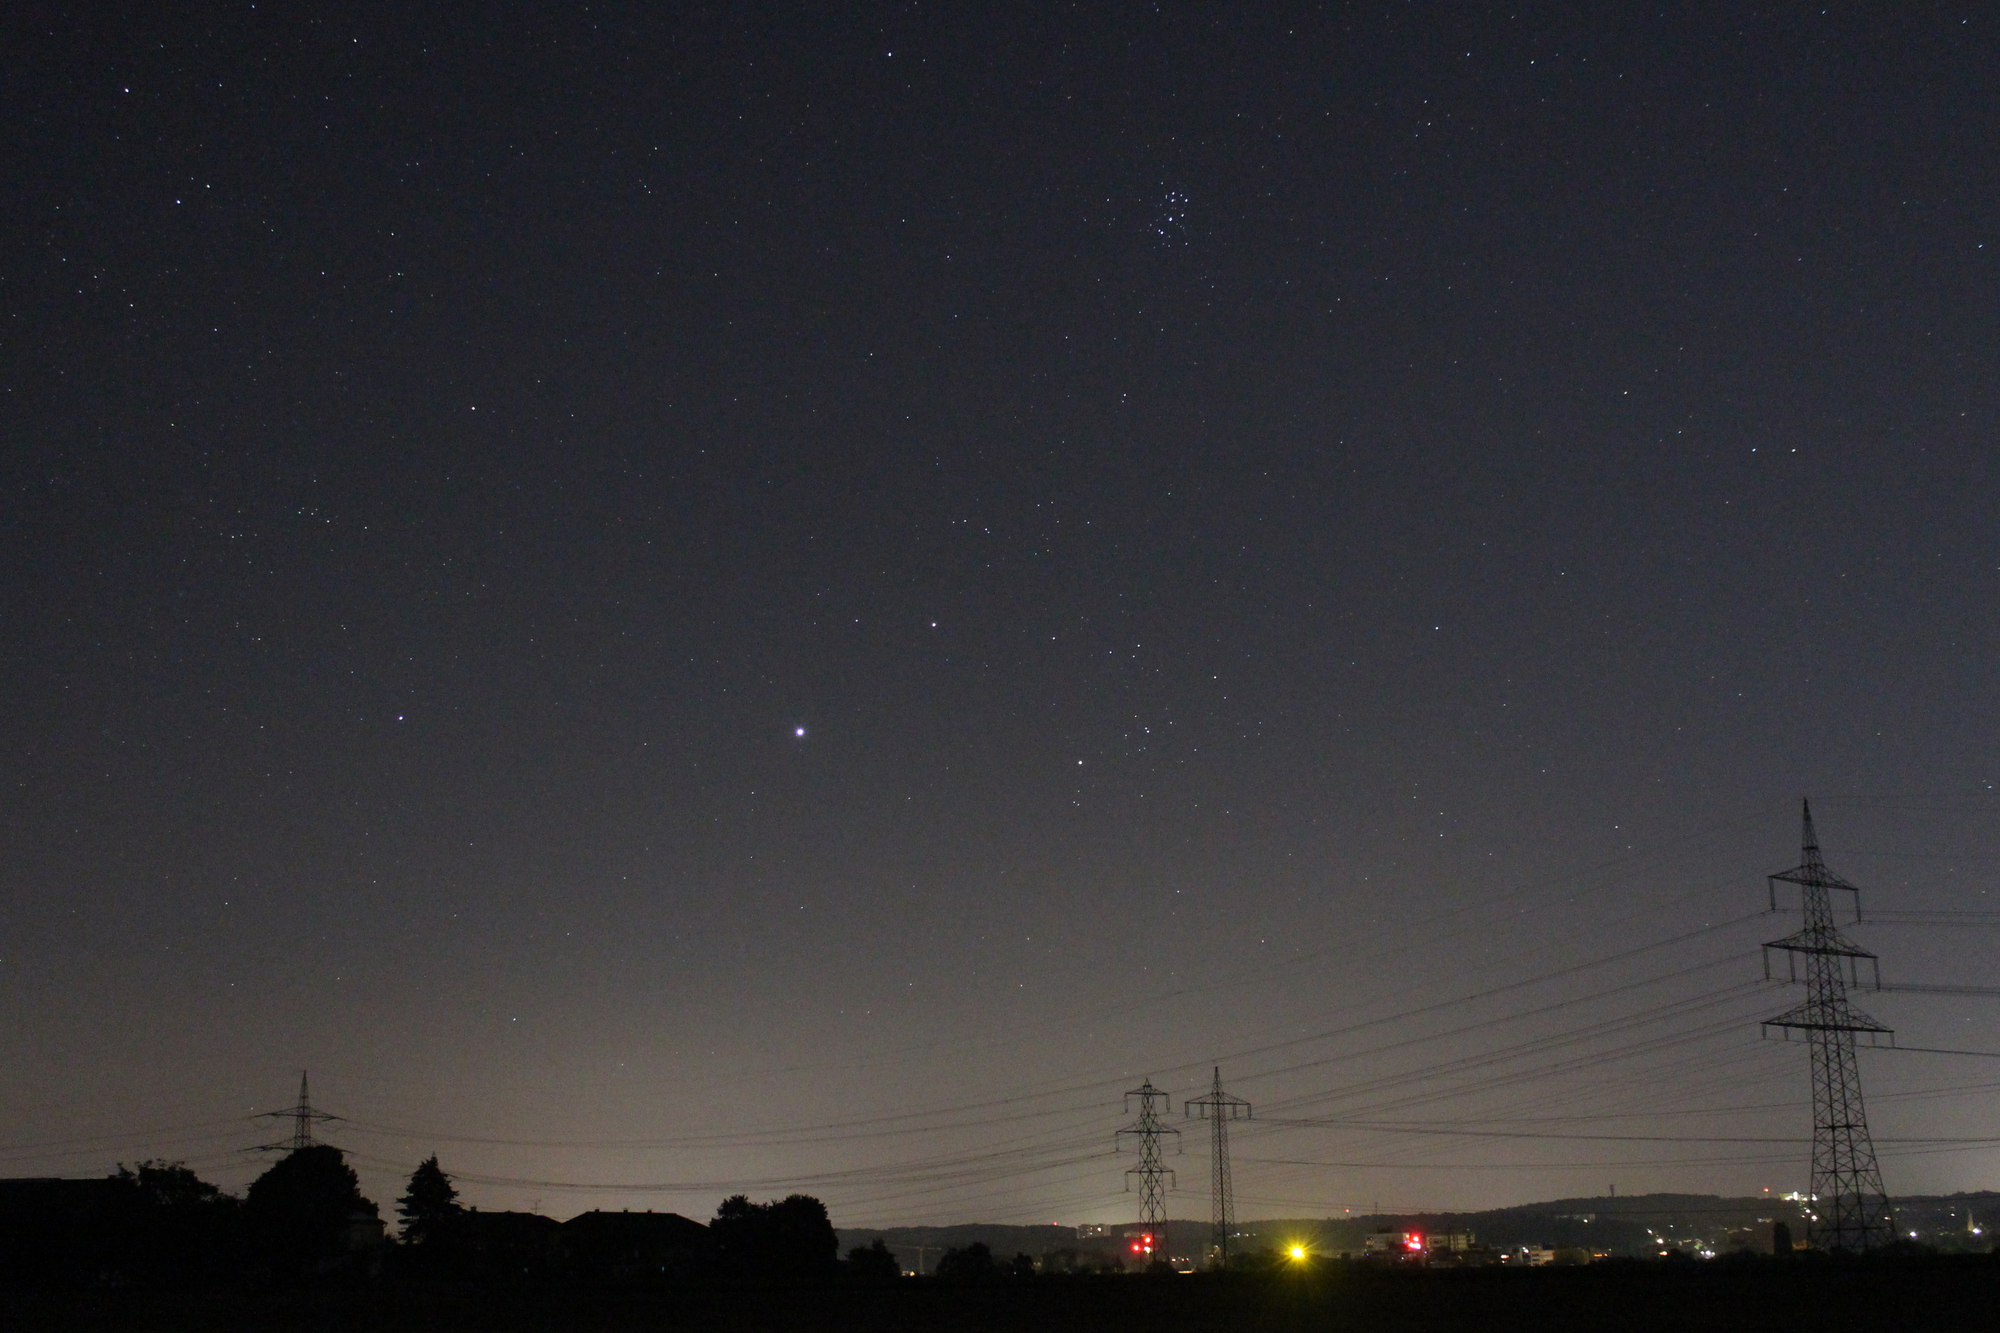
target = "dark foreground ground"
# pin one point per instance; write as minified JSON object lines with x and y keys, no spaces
{"x":1943,"y":1294}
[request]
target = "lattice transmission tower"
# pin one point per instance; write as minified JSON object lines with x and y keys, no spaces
{"x":1154,"y":1177}
{"x":1847,"y":1208}
{"x":303,"y":1118}
{"x":1219,"y":1108}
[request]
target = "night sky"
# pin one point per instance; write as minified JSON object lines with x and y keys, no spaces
{"x":688,"y":600}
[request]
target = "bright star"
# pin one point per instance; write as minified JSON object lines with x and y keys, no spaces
{"x":799,"y":732}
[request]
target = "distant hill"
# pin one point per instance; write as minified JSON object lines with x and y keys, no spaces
{"x":1627,"y":1224}
{"x":1623,"y":1225}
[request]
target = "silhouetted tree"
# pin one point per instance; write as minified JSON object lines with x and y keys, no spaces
{"x":430,"y":1205}
{"x":168,"y":1185}
{"x":1781,"y":1240}
{"x":305,"y":1209}
{"x":873,"y":1263}
{"x":789,"y":1239}
{"x":974,"y":1263}
{"x":168,"y":1225}
{"x":1020,"y":1266}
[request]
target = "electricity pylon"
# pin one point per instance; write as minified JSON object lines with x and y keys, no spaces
{"x":303,"y":1118}
{"x":1219,"y":1108}
{"x":1847,"y":1208}
{"x":1154,"y":1177}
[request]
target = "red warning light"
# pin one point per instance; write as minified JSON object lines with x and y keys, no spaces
{"x":1413,"y":1241}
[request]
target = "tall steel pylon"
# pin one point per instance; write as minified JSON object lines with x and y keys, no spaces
{"x":1219,"y":1108}
{"x":303,"y":1118}
{"x":1847,"y":1208}
{"x":1154,"y":1177}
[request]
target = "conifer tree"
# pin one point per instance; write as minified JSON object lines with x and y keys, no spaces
{"x":430,"y":1204}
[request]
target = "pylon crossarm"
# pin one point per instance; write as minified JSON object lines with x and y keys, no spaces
{"x":1825,"y":942}
{"x":1814,"y":877}
{"x":1809,"y":1025}
{"x":1827,"y":1016}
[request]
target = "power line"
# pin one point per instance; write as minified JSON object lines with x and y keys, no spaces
{"x":1478,"y":996}
{"x":1922,"y":918}
{"x":1940,"y":1050}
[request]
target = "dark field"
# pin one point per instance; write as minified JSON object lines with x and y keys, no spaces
{"x":1945,"y":1294}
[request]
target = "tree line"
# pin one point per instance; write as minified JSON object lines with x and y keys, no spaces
{"x":306,"y":1220}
